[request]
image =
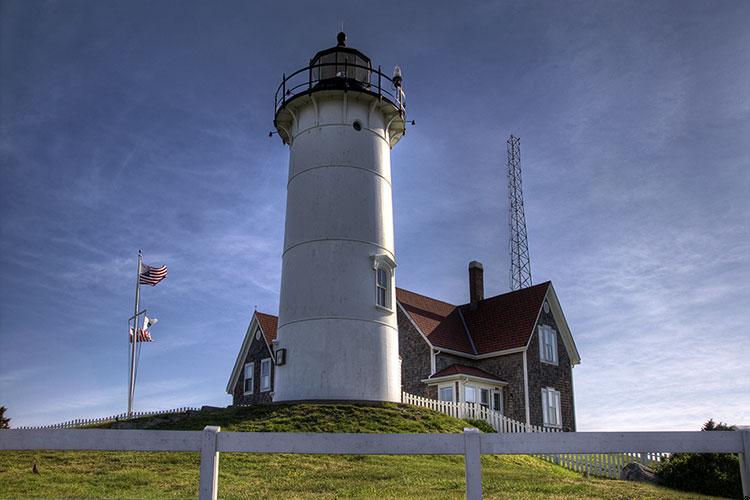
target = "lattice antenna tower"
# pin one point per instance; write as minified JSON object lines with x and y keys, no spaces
{"x":520,"y":265}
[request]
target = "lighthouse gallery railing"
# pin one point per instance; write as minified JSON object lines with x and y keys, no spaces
{"x":307,"y":80}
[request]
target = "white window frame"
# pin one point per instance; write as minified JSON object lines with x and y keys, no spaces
{"x":265,"y":387}
{"x":245,"y":379}
{"x":449,"y":387}
{"x":488,"y":391}
{"x":548,"y":339}
{"x":499,"y":393}
{"x":476,"y":392}
{"x":386,"y":264}
{"x":551,"y":411}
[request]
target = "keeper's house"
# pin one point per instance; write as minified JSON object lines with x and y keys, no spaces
{"x":513,"y":353}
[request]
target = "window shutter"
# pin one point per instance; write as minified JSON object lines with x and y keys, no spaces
{"x":541,"y":342}
{"x":553,"y":334}
{"x":558,"y":419}
{"x":545,"y":404}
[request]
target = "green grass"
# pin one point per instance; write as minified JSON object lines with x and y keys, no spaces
{"x":244,"y":475}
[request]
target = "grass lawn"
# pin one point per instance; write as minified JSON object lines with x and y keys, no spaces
{"x":244,"y":475}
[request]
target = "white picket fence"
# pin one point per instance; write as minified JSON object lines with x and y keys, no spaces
{"x":473,"y":411}
{"x":606,"y":465}
{"x":82,"y":422}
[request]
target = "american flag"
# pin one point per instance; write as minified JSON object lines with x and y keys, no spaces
{"x":152,"y":275}
{"x":143,"y":335}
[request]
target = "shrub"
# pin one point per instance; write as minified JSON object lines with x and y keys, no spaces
{"x":709,"y":473}
{"x":4,"y":422}
{"x":481,"y":425}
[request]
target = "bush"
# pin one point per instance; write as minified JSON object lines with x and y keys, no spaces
{"x":709,"y":473}
{"x":481,"y":425}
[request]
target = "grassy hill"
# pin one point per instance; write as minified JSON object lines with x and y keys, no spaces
{"x":243,"y":475}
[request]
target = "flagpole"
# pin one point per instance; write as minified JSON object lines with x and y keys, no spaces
{"x":134,"y":340}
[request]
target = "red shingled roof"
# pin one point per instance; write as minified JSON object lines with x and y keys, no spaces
{"x":439,"y":321}
{"x":268,"y":325}
{"x":505,"y":321}
{"x":498,"y":323}
{"x":457,"y":369}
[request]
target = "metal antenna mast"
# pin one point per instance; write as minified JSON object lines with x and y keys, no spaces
{"x":520,"y":266}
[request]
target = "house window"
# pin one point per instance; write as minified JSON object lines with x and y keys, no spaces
{"x":265,"y":375}
{"x":445,"y":393}
{"x":497,"y":401}
{"x":547,"y":345}
{"x":249,"y":375}
{"x":551,"y":407}
{"x":470,"y":394}
{"x":484,"y":397}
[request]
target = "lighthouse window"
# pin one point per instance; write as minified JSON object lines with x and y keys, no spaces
{"x":383,"y":266}
{"x":382,"y":287}
{"x":357,"y":125}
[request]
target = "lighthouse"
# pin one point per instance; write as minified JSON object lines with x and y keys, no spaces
{"x":337,"y":333}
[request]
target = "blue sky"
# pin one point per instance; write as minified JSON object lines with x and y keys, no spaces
{"x":145,"y":125}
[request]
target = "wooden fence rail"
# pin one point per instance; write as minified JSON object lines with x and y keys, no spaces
{"x":472,"y":444}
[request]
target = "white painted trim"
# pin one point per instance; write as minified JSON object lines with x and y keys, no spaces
{"x":573,"y":399}
{"x":463,"y":377}
{"x":562,"y":325}
{"x":408,"y":316}
{"x":239,"y":362}
{"x":245,"y":392}
{"x":526,"y":388}
{"x":494,"y":354}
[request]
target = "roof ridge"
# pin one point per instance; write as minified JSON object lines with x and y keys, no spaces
{"x":548,"y":282}
{"x":426,"y":296}
{"x":267,"y":314}
{"x":466,"y":330}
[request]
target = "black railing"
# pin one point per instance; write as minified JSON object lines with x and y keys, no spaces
{"x":346,"y":76}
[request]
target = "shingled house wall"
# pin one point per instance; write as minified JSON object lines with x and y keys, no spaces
{"x":542,"y":375}
{"x":415,"y":358}
{"x":257,"y":352}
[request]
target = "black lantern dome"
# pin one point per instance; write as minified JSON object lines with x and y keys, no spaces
{"x":341,"y":66}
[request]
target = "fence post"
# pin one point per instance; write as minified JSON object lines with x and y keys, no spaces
{"x":473,"y":463}
{"x":745,"y":463}
{"x":209,"y":475}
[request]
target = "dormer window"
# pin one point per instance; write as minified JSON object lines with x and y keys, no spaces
{"x":548,"y":344}
{"x":383,"y":266}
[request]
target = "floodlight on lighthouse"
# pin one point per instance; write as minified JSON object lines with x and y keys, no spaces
{"x":397,"y":77}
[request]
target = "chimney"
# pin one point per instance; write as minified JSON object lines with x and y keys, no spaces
{"x":476,"y":283}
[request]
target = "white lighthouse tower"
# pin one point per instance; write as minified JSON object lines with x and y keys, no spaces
{"x":337,"y":333}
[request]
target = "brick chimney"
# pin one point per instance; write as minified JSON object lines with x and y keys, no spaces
{"x":476,"y":283}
